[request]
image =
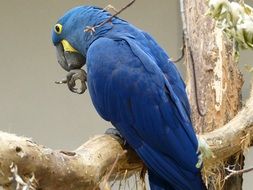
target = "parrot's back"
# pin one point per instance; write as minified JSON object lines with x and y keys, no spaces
{"x":134,"y":85}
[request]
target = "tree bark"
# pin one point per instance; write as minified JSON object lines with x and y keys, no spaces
{"x":82,"y":169}
{"x":218,"y":81}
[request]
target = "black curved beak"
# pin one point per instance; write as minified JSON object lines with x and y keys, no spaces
{"x":72,"y":61}
{"x":69,"y":60}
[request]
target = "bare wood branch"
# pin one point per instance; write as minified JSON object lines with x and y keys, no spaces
{"x":229,"y":139}
{"x":237,"y":172}
{"x":83,"y":168}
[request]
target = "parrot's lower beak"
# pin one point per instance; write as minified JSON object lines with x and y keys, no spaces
{"x":72,"y":61}
{"x":68,"y":57}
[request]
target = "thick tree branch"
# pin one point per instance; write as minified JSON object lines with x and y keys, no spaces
{"x":235,"y":136}
{"x":86,"y":167}
{"x":83,"y":168}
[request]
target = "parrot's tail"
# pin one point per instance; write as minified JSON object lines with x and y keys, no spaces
{"x":157,"y":183}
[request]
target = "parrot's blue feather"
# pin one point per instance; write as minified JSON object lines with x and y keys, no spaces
{"x":170,"y":72}
{"x":133,"y":85}
{"x":156,"y":183}
{"x":146,"y":109}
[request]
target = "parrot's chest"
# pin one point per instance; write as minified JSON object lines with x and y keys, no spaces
{"x":99,"y":79}
{"x":114,"y":71}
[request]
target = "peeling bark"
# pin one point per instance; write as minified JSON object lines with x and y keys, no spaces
{"x":83,"y":168}
{"x":219,"y":80}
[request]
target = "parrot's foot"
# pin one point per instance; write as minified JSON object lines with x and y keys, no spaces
{"x":115,"y":132}
{"x":72,"y":77}
{"x":203,"y":151}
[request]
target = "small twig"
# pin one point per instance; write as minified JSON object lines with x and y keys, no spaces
{"x":115,"y":179}
{"x":15,"y":177}
{"x":106,"y":179}
{"x":182,"y":51}
{"x":186,"y":41}
{"x":92,"y":29}
{"x":237,"y":172}
{"x":110,"y":7}
{"x":124,"y":179}
{"x":114,"y":164}
{"x":20,"y":183}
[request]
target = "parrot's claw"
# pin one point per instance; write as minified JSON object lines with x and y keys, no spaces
{"x":63,"y":81}
{"x":115,"y":132}
{"x":203,"y":152}
{"x":72,"y":77}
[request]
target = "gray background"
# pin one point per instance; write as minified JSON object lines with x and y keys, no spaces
{"x":31,"y":104}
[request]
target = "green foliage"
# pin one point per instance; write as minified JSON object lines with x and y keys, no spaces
{"x":235,"y":19}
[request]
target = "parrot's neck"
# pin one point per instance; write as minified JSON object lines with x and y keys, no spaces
{"x":93,"y":29}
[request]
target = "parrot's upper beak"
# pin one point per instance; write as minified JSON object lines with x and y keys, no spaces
{"x":68,"y":57}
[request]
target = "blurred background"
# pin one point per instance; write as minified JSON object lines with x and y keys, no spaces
{"x":32,"y":105}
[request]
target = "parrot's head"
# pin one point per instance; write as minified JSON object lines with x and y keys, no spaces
{"x":70,"y":37}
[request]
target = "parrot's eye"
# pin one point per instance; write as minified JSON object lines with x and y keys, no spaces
{"x":58,"y":28}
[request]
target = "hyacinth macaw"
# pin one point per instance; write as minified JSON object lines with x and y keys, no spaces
{"x":133,"y":85}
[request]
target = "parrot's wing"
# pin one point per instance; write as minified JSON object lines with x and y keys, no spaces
{"x":170,"y":71}
{"x":129,"y":89}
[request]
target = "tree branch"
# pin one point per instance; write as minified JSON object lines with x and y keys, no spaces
{"x":237,"y":172}
{"x":84,"y":168}
{"x":233,"y":137}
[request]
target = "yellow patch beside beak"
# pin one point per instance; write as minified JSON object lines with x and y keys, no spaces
{"x":67,"y":47}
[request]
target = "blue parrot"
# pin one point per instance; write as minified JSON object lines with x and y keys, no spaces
{"x":133,"y":85}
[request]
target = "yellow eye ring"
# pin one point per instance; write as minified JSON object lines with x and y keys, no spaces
{"x":58,"y":28}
